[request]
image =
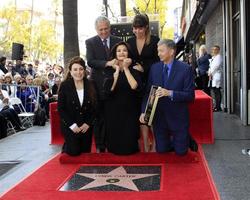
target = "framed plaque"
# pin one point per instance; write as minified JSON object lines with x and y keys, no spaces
{"x":151,"y":105}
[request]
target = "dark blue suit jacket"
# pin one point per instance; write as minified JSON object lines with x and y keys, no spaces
{"x":174,"y":110}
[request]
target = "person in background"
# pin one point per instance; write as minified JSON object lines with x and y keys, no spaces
{"x":20,"y":68}
{"x":51,"y":77}
{"x":17,"y":78}
{"x":30,"y":70}
{"x":122,"y":106}
{"x":8,"y":79}
{"x":43,"y":103}
{"x":2,"y":82}
{"x":58,"y":70}
{"x":52,"y":95}
{"x":27,"y":94}
{"x":36,"y":65}
{"x":3,"y":127}
{"x":55,"y":87}
{"x":2,"y":65}
{"x":97,"y":54}
{"x":144,"y":52}
{"x":11,"y":69}
{"x":203,"y":66}
{"x":7,"y":111}
{"x":215,"y":75}
{"x":176,"y":89}
{"x":76,"y":107}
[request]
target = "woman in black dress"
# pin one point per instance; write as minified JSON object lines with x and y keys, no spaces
{"x":122,"y":107}
{"x":76,"y":107}
{"x":144,"y":52}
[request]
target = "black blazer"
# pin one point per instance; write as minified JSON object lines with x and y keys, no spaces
{"x":148,"y":56}
{"x":97,"y":58}
{"x":69,"y":107}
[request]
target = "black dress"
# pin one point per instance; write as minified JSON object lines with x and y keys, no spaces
{"x":122,"y":111}
{"x":148,"y":56}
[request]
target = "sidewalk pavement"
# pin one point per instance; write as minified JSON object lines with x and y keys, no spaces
{"x":31,"y":148}
{"x":230,"y":168}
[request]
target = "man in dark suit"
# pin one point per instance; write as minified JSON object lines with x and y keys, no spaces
{"x":176,"y":88}
{"x":98,"y":53}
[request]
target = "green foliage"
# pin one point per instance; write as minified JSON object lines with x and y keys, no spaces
{"x":38,"y":39}
{"x":43,"y":43}
{"x":152,"y":7}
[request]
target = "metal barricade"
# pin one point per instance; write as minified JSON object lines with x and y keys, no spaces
{"x":28,"y":94}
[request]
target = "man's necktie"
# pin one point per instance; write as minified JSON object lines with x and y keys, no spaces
{"x":106,"y":47}
{"x":165,"y":75}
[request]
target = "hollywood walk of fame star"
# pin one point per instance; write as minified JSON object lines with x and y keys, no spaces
{"x":117,"y":177}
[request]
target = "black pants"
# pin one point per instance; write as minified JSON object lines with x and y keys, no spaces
{"x":11,"y":115}
{"x":3,"y":127}
{"x":99,"y":127}
{"x":75,"y":144}
{"x":204,"y":84}
{"x":217,"y":98}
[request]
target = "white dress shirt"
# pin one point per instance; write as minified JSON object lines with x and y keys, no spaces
{"x":80,"y":94}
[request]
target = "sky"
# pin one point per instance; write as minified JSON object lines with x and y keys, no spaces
{"x":172,"y":4}
{"x":87,"y":15}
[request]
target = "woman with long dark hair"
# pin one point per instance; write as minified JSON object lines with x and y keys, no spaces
{"x":144,"y":52}
{"x":76,"y":107}
{"x":122,"y":105}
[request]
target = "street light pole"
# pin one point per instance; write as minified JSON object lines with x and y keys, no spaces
{"x":123,"y":7}
{"x":105,"y":3}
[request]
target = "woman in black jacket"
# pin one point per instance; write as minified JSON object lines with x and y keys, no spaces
{"x":76,"y":107}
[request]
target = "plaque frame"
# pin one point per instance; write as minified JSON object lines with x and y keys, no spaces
{"x":151,"y":105}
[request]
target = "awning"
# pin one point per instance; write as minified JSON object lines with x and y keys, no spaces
{"x":209,"y":9}
{"x":180,"y":44}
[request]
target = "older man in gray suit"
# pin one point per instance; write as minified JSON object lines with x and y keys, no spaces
{"x":98,"y":53}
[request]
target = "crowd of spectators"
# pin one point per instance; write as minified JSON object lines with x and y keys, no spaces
{"x":35,"y":84}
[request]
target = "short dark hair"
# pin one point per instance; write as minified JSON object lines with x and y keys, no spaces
{"x":2,"y":59}
{"x":113,"y":50}
{"x":217,"y":47}
{"x":140,"y":20}
{"x":51,"y":74}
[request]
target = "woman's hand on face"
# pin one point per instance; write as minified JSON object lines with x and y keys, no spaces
{"x":127,"y":62}
{"x":117,"y":68}
{"x":112,"y":63}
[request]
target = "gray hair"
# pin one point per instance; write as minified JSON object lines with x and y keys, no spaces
{"x":168,"y":43}
{"x":101,"y":19}
{"x":202,"y":50}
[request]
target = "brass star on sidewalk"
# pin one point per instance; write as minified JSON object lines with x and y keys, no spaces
{"x":117,"y":177}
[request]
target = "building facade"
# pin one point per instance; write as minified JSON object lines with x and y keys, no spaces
{"x":224,"y":23}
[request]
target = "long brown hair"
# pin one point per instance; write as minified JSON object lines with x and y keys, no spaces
{"x":75,"y":60}
{"x":142,"y":21}
{"x":88,"y":84}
